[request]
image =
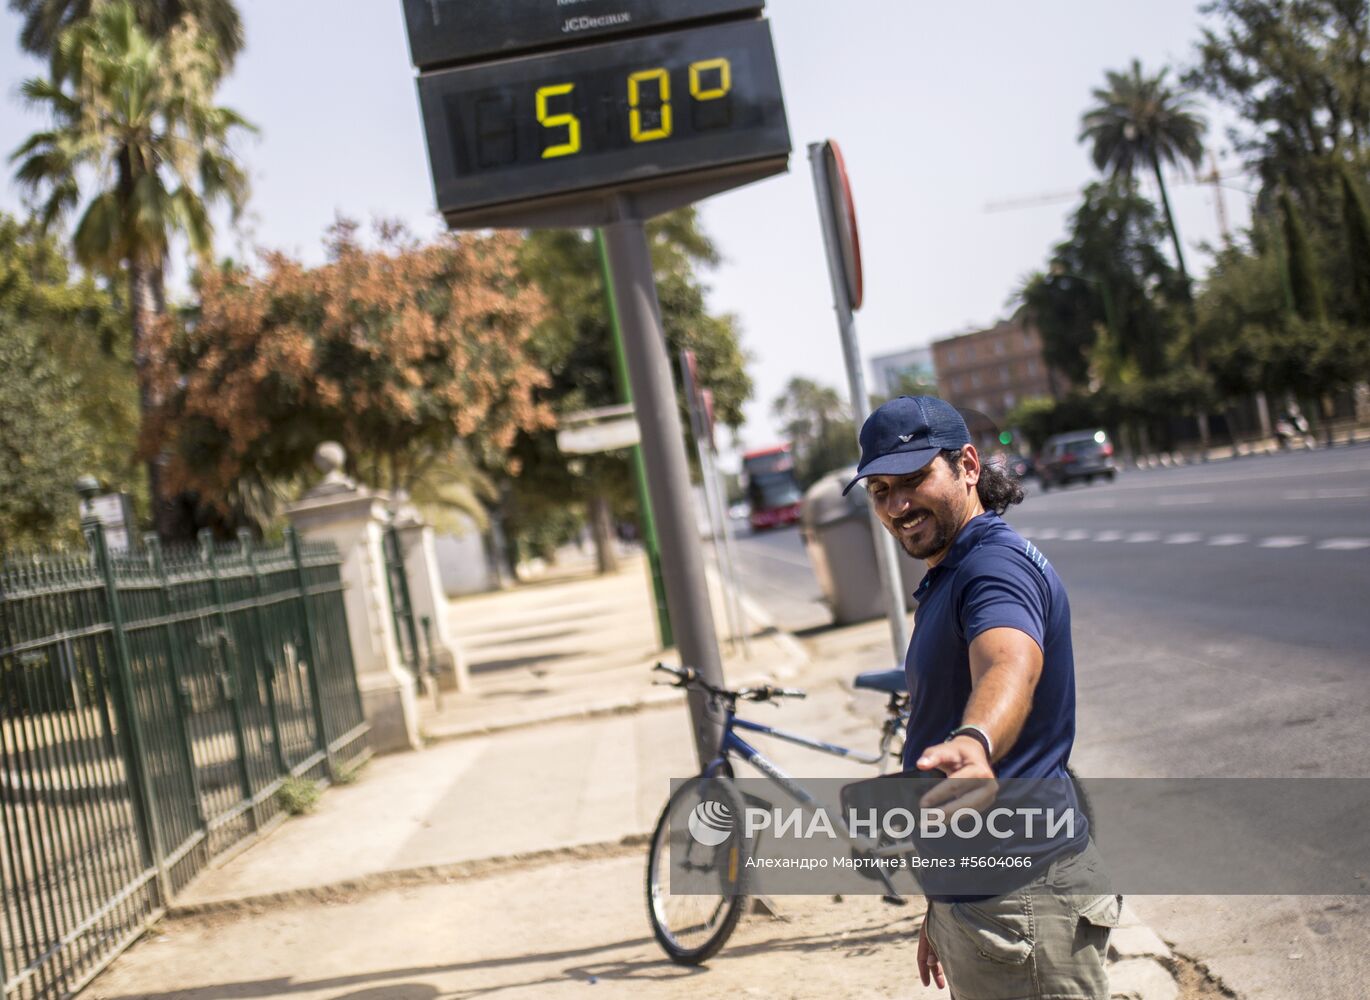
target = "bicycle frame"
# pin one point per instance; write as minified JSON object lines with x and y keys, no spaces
{"x":736,"y":746}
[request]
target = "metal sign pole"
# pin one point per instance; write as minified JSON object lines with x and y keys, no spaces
{"x":886,"y":554}
{"x":644,"y":501}
{"x":668,"y":472}
{"x":718,"y":516}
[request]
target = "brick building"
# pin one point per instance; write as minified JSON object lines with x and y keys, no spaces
{"x":994,"y":370}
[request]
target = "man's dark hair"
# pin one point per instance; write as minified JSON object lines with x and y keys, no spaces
{"x":997,"y":489}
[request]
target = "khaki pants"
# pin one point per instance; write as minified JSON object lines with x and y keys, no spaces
{"x":1047,"y":941}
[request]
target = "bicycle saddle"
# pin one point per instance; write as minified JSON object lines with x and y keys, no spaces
{"x":887,"y":681}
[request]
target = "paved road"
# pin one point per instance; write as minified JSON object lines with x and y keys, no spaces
{"x":1221,"y":628}
{"x":775,"y":570}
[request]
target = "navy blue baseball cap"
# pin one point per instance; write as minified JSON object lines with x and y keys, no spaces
{"x":906,"y":434}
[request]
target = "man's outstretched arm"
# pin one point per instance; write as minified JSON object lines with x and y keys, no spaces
{"x":1005,"y":664}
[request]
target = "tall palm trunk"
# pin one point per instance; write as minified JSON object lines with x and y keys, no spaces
{"x":1195,"y":357}
{"x":1170,"y":224}
{"x":144,"y":282}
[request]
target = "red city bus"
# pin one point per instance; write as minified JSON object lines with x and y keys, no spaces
{"x":772,"y":489}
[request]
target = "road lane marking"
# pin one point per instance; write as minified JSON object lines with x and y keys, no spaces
{"x":1229,"y":540}
{"x":1283,"y":541}
{"x":1340,"y":494}
{"x":1193,"y":537}
{"x":1185,"y":498}
{"x":1212,"y":480}
{"x":1345,"y":544}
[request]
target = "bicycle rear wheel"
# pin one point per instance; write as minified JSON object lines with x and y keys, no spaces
{"x":698,"y":851}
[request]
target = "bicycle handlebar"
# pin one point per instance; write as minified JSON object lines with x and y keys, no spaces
{"x":689,"y":677}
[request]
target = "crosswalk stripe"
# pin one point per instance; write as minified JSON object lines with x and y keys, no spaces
{"x":1345,"y":544}
{"x":1283,"y":541}
{"x":1228,"y":539}
{"x":1192,"y":537}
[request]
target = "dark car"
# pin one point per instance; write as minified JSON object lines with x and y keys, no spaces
{"x":1086,"y":455}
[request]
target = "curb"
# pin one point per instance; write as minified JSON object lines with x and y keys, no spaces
{"x":652,"y":700}
{"x":347,"y":889}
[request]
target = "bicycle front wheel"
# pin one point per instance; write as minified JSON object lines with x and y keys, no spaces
{"x":696,"y":870}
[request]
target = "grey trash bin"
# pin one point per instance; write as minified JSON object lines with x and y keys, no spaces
{"x":837,"y":536}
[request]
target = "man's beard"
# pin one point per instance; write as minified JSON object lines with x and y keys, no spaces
{"x":944,"y":527}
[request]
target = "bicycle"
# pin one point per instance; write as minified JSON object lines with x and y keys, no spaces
{"x":696,"y":833}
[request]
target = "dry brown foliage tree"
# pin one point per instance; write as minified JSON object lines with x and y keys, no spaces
{"x":413,"y":355}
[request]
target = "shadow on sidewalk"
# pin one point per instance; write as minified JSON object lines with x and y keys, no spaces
{"x":513,"y":662}
{"x":656,"y":968}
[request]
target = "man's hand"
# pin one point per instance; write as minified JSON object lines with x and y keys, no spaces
{"x":929,"y":965}
{"x":970,"y":780}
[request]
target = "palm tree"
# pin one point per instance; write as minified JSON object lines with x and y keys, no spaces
{"x":46,"y":20}
{"x":137,"y":143}
{"x":1138,"y":123}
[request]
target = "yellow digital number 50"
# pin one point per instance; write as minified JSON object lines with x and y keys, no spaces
{"x":572,"y":123}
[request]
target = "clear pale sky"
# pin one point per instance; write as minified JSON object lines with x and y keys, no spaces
{"x":939,"y":108}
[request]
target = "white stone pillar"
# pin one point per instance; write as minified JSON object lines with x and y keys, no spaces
{"x":353,"y":518}
{"x":428,"y":600}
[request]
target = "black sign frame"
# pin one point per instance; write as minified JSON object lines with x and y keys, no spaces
{"x":587,"y":188}
{"x":452,"y":32}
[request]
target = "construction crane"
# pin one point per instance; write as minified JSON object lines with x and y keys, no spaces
{"x":1212,"y":176}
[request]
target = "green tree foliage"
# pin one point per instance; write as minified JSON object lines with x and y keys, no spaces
{"x":138,"y":145}
{"x":1288,"y":311}
{"x":1240,"y":315}
{"x":1138,"y":123}
{"x":46,"y":20}
{"x":1297,"y":72}
{"x":415,"y":357}
{"x":1264,"y":334}
{"x":69,"y":405}
{"x":1305,"y":286}
{"x":817,"y":422}
{"x":1109,"y":274}
{"x":1356,"y":219}
{"x":40,"y":440}
{"x":1112,"y":314}
{"x":574,"y":346}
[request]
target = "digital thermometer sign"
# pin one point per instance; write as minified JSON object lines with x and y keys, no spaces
{"x":618,"y":115}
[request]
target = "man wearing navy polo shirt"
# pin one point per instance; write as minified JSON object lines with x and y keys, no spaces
{"x":993,"y":681}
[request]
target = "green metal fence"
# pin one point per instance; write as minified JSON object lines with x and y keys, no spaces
{"x":150,"y":708}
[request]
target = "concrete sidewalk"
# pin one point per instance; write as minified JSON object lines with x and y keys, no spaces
{"x":507,"y":858}
{"x":575,"y":644}
{"x":551,"y":749}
